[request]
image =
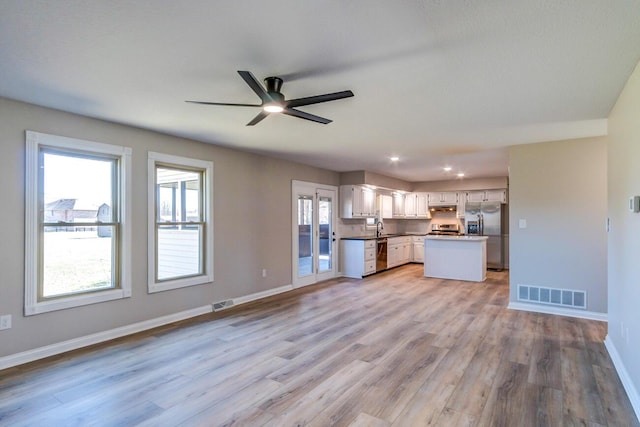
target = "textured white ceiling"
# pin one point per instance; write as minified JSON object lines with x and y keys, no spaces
{"x":436,"y":82}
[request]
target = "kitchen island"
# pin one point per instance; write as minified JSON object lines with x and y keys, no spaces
{"x":456,"y":257}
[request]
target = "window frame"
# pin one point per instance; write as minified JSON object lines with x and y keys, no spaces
{"x":35,"y":141}
{"x":206,"y":168}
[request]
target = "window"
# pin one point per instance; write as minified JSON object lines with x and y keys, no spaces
{"x":180,"y":225}
{"x":77,"y":233}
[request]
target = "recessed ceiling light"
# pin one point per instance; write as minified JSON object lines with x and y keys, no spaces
{"x":394,"y":158}
{"x":447,"y":168}
{"x":460,"y":174}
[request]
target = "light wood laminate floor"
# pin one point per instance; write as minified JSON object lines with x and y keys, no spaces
{"x":394,"y":349}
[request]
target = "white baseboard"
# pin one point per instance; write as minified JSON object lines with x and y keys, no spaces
{"x":627,"y":383}
{"x":76,"y":343}
{"x":263,"y":294}
{"x":560,"y":311}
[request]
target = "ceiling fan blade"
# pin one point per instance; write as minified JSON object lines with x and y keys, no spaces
{"x":319,"y":98}
{"x":224,"y":103}
{"x":256,"y":86}
{"x":257,"y":119}
{"x":302,"y":115}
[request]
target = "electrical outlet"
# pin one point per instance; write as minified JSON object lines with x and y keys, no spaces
{"x":264,"y":272}
{"x":5,"y":322}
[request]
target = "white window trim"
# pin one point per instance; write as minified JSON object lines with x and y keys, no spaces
{"x":178,"y":161}
{"x":33,"y":142}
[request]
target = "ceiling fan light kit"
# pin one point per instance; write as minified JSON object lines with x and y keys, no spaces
{"x":273,"y":101}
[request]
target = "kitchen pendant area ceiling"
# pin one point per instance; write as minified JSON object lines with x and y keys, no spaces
{"x":436,"y":83}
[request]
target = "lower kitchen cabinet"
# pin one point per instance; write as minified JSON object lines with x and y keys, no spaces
{"x":398,"y":251}
{"x":358,"y":258}
{"x":417,"y":254}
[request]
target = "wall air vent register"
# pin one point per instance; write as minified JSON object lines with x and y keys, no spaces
{"x":552,"y":296}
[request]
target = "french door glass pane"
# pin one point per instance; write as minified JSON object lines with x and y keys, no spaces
{"x":179,"y":251}
{"x":326,"y":233}
{"x":305,"y":235}
{"x":77,"y":261}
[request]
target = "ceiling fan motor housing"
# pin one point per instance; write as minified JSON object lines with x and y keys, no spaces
{"x":274,"y":85}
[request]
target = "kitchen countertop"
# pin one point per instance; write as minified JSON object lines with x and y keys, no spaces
{"x":458,"y":238}
{"x":382,"y":237}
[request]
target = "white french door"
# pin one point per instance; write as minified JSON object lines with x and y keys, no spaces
{"x":314,"y":213}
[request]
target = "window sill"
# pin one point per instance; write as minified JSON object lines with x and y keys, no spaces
{"x":179,"y":283}
{"x":76,"y":301}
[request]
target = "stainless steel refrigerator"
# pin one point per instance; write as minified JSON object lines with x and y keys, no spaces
{"x":490,"y":219}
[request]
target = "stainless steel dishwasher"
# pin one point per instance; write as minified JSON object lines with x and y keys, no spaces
{"x":381,"y":254}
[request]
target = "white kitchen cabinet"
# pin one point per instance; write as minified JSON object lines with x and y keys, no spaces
{"x":410,"y":205}
{"x":443,"y":198}
{"x":406,"y":252}
{"x":487,"y":196}
{"x":416,"y":205}
{"x":417,"y":250}
{"x":398,"y":251}
{"x":422,"y":205}
{"x":461,"y":207}
{"x":357,"y":201}
{"x":357,"y":257}
{"x":385,"y":206}
{"x":398,"y":205}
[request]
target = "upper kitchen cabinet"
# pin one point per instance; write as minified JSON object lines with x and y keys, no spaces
{"x":449,"y":198}
{"x":357,"y":201}
{"x":398,"y":205}
{"x":487,"y":196}
{"x":416,"y":205}
{"x":385,"y":206}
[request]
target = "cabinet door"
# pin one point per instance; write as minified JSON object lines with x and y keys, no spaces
{"x":398,"y":205}
{"x":496,"y":196}
{"x":392,"y":255}
{"x":450,"y":198}
{"x":422,"y":206}
{"x":385,"y":205}
{"x":368,"y":202}
{"x":357,"y":201}
{"x":406,"y":253}
{"x":410,"y":205}
{"x":418,"y":252}
{"x":443,"y":199}
{"x":475,"y":196}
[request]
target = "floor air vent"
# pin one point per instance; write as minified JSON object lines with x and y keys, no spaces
{"x":217,"y":306}
{"x":561,"y":297}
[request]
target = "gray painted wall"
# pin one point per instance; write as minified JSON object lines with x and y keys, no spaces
{"x":252,"y":226}
{"x":560,"y":188}
{"x":624,"y":237}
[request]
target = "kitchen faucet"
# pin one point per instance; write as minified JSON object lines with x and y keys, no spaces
{"x":381,"y":227}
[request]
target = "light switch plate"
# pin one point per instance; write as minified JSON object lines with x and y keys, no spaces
{"x":522,"y":223}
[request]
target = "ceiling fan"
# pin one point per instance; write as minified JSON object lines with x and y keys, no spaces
{"x":273,"y":100}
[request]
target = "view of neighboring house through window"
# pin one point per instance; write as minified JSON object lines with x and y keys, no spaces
{"x":79,"y":250}
{"x":181,"y":229}
{"x":179,"y":223}
{"x":75,"y":223}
